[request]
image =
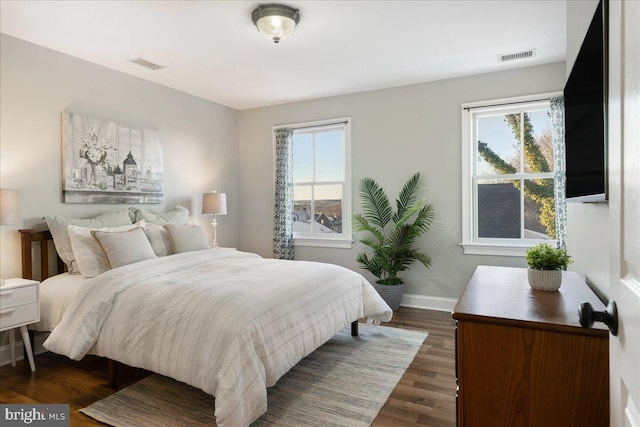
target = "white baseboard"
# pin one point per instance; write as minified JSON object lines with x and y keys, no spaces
{"x":428,"y":303}
{"x":5,"y":351}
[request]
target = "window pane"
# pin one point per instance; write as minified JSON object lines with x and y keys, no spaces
{"x":329,"y":156}
{"x":499,"y":209}
{"x":302,"y":157}
{"x":538,"y":155}
{"x":539,"y":209}
{"x":302,"y":209}
{"x":328,"y":215}
{"x":498,"y":151}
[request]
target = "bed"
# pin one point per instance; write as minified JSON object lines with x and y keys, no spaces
{"x":227,"y":322}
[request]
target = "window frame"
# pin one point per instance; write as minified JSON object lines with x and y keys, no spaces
{"x":471,"y":244}
{"x":345,"y":239}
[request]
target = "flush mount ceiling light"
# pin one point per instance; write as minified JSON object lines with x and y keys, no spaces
{"x":275,"y":21}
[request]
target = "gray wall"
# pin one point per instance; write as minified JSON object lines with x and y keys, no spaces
{"x":200,"y":138}
{"x":395,"y":132}
{"x":587,"y":224}
{"x":579,"y":15}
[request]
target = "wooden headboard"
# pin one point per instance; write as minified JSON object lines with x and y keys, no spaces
{"x":28,"y":237}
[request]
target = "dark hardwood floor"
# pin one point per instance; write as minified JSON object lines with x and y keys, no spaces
{"x":424,"y":396}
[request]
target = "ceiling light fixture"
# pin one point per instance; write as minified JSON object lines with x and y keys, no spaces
{"x":275,"y":21}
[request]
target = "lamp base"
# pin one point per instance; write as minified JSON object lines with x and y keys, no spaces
{"x":214,"y":235}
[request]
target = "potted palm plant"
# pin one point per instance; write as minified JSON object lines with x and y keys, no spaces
{"x":545,"y":266}
{"x":391,"y":234}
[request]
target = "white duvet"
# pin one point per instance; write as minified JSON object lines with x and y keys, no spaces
{"x":227,"y":322}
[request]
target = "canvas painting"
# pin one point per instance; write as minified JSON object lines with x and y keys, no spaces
{"x":109,"y":162}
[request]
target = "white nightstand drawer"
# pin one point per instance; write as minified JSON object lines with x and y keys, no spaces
{"x":11,"y":317}
{"x":18,"y":296}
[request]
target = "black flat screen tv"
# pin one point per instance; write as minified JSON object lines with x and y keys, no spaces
{"x":585,"y":115}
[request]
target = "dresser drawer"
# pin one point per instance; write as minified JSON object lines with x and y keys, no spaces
{"x":14,"y":316}
{"x":18,"y":296}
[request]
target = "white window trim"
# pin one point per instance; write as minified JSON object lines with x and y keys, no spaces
{"x":344,"y":241}
{"x":496,"y":247}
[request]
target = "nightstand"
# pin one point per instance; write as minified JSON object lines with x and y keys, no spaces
{"x":19,"y":307}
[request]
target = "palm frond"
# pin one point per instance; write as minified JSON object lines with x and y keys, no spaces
{"x":422,"y":223}
{"x":399,"y":237}
{"x":375,"y":202}
{"x":408,"y":213}
{"x":370,"y":264}
{"x":423,"y":258}
{"x":370,"y":243}
{"x":407,"y":196}
{"x":361,"y":224}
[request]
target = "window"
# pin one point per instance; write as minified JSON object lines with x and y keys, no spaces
{"x":508,"y":177}
{"x":322,"y":184}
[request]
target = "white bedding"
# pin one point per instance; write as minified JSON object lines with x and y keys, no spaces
{"x":56,"y":295}
{"x":227,"y":322}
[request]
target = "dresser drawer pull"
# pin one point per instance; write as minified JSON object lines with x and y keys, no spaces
{"x":6,"y":293}
{"x":9,"y":311}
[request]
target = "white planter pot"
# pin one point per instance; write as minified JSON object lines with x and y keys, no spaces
{"x":391,"y":294}
{"x":544,"y":280}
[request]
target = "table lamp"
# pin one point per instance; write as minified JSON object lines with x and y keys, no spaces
{"x":214,"y":204}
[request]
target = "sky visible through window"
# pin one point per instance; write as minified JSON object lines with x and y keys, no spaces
{"x":329,"y":163}
{"x":495,"y":131}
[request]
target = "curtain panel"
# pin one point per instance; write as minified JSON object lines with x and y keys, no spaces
{"x":283,"y":206}
{"x":559,"y":168}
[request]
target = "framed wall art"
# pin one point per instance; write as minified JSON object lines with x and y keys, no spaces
{"x":105,"y":161}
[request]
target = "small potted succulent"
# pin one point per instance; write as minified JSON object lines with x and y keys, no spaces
{"x":545,"y":266}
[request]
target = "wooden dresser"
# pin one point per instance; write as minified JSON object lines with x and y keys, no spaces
{"x":522,"y":358}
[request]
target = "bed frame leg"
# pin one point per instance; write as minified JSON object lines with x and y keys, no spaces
{"x":354,"y":328}
{"x":113,"y":374}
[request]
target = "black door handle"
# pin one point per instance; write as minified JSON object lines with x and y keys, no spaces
{"x":609,"y":317}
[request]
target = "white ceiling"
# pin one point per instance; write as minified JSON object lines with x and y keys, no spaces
{"x":213,"y":50}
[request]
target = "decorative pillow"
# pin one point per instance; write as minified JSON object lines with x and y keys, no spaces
{"x":159,"y":238}
{"x":89,"y":256}
{"x":187,"y":238}
{"x":58,"y":227}
{"x":124,"y":247}
{"x":179,"y":216}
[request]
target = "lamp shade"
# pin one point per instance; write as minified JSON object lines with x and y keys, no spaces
{"x":9,"y":206}
{"x":275,"y":21}
{"x":214,"y":203}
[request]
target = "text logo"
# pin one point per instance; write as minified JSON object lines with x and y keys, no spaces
{"x":34,"y":415}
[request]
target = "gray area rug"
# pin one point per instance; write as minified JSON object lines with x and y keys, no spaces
{"x":343,"y":383}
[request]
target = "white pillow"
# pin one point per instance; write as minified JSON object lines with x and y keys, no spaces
{"x":89,"y":256}
{"x":179,"y":216}
{"x":124,"y":247}
{"x":187,"y":238}
{"x":159,"y":238}
{"x":58,"y":227}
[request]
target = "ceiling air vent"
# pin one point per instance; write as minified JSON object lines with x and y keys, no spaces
{"x":518,"y":55}
{"x":148,"y":64}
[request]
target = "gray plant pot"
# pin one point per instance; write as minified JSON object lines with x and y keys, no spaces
{"x":391,"y":294}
